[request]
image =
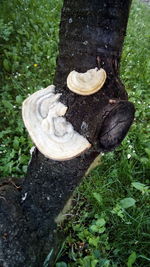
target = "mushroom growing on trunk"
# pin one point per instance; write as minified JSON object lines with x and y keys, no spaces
{"x":43,"y":115}
{"x":87,"y":83}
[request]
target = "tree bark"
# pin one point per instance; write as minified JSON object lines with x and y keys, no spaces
{"x":91,"y":36}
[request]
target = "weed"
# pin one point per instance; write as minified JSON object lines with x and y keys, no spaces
{"x":29,"y":39}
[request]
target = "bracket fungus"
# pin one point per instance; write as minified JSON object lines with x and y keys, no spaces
{"x":87,"y":83}
{"x":53,"y":135}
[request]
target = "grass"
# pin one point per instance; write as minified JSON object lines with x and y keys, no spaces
{"x":109,"y":225}
{"x":29,"y":40}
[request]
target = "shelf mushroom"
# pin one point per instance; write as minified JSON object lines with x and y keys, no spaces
{"x":53,"y":135}
{"x":87,"y":83}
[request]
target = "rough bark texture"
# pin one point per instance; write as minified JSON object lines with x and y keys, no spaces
{"x":91,"y":36}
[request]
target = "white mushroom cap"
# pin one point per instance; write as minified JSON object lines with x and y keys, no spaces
{"x":87,"y":83}
{"x":52,"y":134}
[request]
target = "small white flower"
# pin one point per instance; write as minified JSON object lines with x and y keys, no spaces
{"x":128,"y":156}
{"x":24,"y":197}
{"x":85,"y":42}
{"x":70,"y":20}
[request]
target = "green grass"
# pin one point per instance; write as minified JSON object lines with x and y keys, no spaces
{"x":110,"y":223}
{"x":29,"y":40}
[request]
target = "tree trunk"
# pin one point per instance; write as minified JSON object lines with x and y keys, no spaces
{"x":90,"y":36}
